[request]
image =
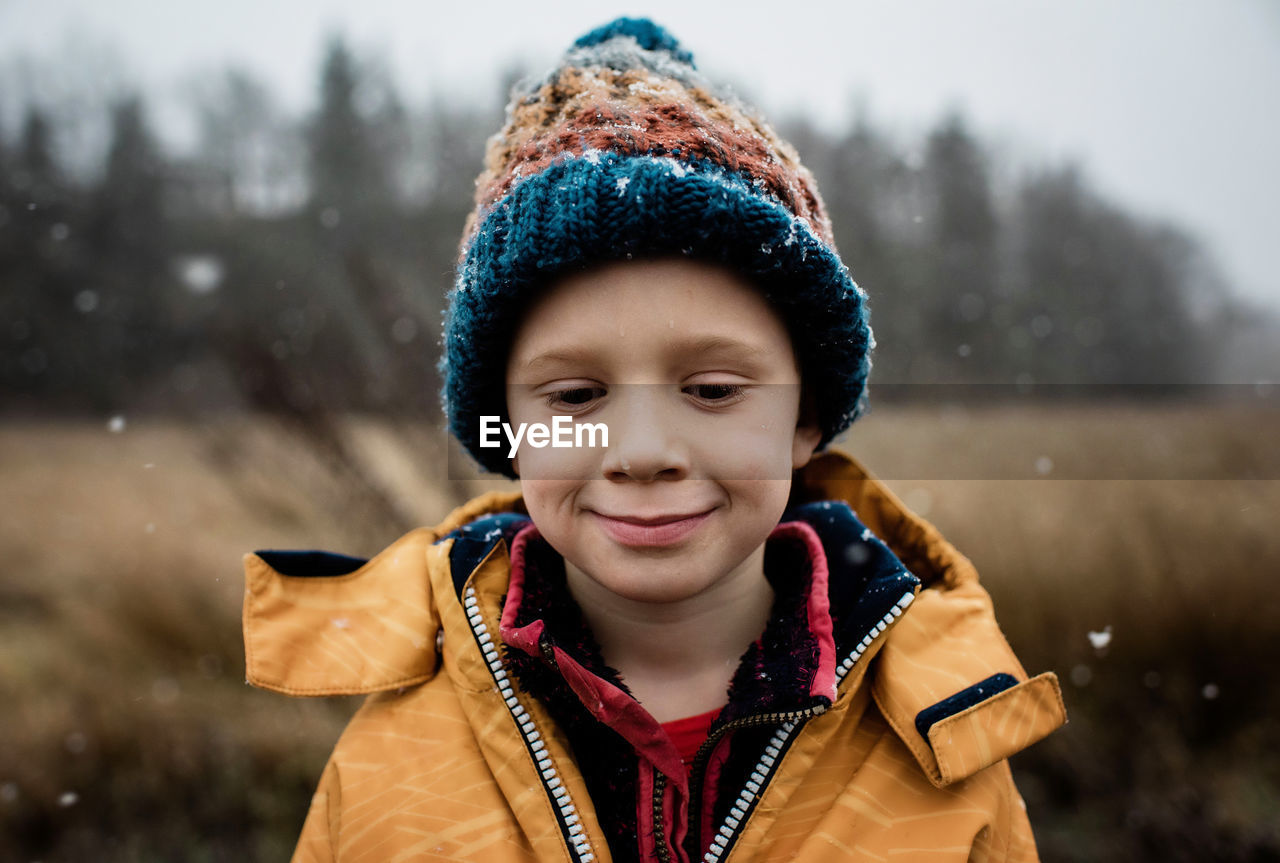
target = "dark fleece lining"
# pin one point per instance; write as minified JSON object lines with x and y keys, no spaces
{"x":473,"y":541}
{"x":774,"y":675}
{"x":607,"y":761}
{"x":865,"y":578}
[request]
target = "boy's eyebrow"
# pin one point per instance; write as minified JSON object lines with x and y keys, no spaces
{"x":568,"y":357}
{"x":696,"y":346}
{"x":717,"y":344}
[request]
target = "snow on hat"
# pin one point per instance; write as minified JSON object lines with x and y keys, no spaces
{"x":625,"y":151}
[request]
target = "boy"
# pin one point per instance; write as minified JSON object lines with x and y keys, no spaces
{"x":683,"y":644}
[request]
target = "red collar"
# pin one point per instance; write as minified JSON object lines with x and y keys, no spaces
{"x":791,"y":666}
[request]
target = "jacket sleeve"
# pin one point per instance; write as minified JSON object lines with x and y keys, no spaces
{"x":318,"y":842}
{"x":1007,"y":839}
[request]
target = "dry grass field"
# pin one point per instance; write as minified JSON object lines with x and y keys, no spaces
{"x":127,"y":733}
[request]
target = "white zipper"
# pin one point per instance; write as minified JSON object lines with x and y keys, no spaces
{"x":550,"y":778}
{"x":756,"y":783}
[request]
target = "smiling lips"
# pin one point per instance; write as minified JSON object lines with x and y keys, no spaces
{"x":651,"y":531}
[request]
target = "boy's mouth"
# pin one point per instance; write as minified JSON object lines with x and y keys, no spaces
{"x":656,"y":530}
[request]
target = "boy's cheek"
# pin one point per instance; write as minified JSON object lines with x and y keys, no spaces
{"x":553,"y":468}
{"x":745,"y":454}
{"x":756,"y":445}
{"x":547,"y":496}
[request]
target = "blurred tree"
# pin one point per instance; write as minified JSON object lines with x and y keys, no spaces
{"x":960,"y":237}
{"x":357,"y":140}
{"x":129,"y":211}
{"x":129,"y":243}
{"x":36,"y":172}
{"x":449,"y":151}
{"x":1101,"y":297}
{"x":37,"y":265}
{"x":868,"y":190}
{"x":35,"y":187}
{"x":250,"y":154}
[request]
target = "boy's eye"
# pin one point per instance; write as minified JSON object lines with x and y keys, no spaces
{"x":715,"y":393}
{"x":575,"y":396}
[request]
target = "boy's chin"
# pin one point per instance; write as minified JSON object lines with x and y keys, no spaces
{"x":655,"y":579}
{"x":649,"y":592}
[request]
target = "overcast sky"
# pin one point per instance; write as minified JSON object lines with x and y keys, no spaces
{"x":1169,"y":104}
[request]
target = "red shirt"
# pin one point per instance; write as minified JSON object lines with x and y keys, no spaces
{"x":689,"y":733}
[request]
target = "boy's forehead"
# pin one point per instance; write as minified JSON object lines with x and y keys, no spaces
{"x":683,"y":304}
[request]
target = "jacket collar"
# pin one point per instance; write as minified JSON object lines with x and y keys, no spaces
{"x":790,"y":668}
{"x":320,"y":624}
{"x":947,"y":682}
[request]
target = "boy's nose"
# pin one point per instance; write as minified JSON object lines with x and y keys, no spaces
{"x":644,"y":443}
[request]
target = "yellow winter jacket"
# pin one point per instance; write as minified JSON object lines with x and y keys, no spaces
{"x":451,"y":759}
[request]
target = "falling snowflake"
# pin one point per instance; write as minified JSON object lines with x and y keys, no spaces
{"x":1100,"y":640}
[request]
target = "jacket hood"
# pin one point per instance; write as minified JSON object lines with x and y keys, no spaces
{"x":945,"y":679}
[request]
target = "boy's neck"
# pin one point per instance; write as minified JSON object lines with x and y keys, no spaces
{"x":677,"y":658}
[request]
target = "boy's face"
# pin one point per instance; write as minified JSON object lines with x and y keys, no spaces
{"x":695,"y":377}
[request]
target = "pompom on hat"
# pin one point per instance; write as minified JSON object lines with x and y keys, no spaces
{"x":624,"y":151}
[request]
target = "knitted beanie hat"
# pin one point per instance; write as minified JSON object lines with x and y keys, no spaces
{"x":625,"y":151}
